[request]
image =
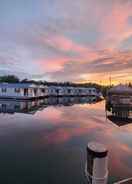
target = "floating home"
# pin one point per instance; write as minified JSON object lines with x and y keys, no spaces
{"x":32,"y":91}
{"x":72,"y":91}
{"x":21,"y":90}
{"x":119,"y":101}
{"x":61,"y":91}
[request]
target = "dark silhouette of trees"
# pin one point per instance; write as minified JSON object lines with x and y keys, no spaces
{"x":9,"y":79}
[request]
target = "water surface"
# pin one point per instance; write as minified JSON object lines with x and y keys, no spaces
{"x":44,"y":142}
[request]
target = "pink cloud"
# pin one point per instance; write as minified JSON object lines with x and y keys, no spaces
{"x":70,"y":57}
{"x":114,"y":25}
{"x":52,"y":65}
{"x":64,"y":45}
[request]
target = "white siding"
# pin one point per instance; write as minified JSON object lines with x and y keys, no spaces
{"x":10,"y":92}
{"x":42,"y":91}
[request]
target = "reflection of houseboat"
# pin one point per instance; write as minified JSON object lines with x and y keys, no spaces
{"x":31,"y":107}
{"x":26,"y":107}
{"x":119,"y":121}
{"x":119,"y":101}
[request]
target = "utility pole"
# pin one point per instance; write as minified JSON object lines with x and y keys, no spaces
{"x":110,"y":80}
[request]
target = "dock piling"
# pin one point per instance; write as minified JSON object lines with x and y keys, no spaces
{"x":97,"y":163}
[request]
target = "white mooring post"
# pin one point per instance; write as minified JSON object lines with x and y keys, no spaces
{"x":97,"y":163}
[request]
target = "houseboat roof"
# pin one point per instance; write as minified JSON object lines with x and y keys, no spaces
{"x":120,"y":89}
{"x":18,"y":85}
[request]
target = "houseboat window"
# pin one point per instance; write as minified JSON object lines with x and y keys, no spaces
{"x":25,"y":92}
{"x":4,"y":107}
{"x":57,"y":90}
{"x":17,"y":90}
{"x":3,"y":90}
{"x":69,"y":90}
{"x":43,"y":90}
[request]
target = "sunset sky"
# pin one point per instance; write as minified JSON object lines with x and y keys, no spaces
{"x":67,"y":40}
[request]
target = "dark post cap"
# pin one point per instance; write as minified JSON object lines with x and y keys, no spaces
{"x":97,"y":150}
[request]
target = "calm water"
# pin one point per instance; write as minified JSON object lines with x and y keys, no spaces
{"x":42,"y":143}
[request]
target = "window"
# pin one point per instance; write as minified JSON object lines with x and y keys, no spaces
{"x":90,"y":90}
{"x":69,"y":91}
{"x":43,"y":90}
{"x":3,"y":90}
{"x":17,"y":90}
{"x":57,"y":90}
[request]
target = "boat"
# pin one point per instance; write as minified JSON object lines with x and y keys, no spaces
{"x":119,"y":101}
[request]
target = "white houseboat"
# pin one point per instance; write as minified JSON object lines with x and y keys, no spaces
{"x":119,"y":101}
{"x":52,"y":91}
{"x":31,"y":91}
{"x":120,"y":95}
{"x":21,"y":90}
{"x":87,"y":91}
{"x":72,"y":91}
{"x":60,"y":91}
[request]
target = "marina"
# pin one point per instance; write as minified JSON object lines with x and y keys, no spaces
{"x":65,"y":92}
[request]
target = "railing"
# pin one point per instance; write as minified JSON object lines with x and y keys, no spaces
{"x":125,"y":181}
